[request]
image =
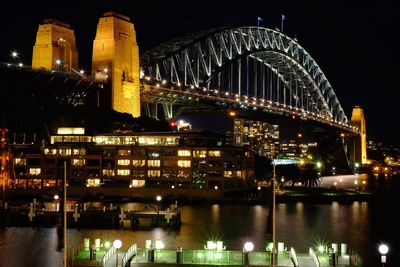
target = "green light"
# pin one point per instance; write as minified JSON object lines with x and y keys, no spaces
{"x":200,"y":255}
{"x":107,"y":244}
{"x":321,"y":249}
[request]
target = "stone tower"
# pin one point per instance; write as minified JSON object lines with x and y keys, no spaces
{"x":55,"y":47}
{"x":358,"y":150}
{"x":116,"y":60}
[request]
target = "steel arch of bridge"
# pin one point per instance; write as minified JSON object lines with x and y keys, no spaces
{"x":199,"y":60}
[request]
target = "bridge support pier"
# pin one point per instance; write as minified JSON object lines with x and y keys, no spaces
{"x":151,"y":110}
{"x":168,"y":110}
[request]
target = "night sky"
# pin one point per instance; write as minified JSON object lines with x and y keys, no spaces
{"x":354,"y":42}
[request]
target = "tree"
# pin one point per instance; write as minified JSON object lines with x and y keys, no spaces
{"x":309,"y":175}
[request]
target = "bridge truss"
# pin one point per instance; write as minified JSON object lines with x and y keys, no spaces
{"x":252,"y":67}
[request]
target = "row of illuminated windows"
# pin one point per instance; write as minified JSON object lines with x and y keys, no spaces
{"x":137,"y":140}
{"x":65,"y":151}
{"x":202,"y":153}
{"x":153,"y":173}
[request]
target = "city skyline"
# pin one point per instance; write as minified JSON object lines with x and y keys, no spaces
{"x":347,"y":41}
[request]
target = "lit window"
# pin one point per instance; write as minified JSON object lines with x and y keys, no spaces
{"x":78,"y":162}
{"x":50,"y":151}
{"x":34,"y":171}
{"x":93,"y":183}
{"x":138,"y":183}
{"x":124,"y":152}
{"x":138,"y":163}
{"x":199,"y":153}
{"x":20,"y":161}
{"x":64,"y":151}
{"x":214,"y":153}
{"x":153,"y":173}
{"x":184,"y":163}
{"x":228,"y":174}
{"x":123,"y":172}
{"x":238,"y":174}
{"x":153,"y":163}
{"x":184,"y":153}
{"x":108,"y":172}
{"x":124,"y":162}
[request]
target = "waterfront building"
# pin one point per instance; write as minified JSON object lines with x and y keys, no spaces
{"x":138,"y":164}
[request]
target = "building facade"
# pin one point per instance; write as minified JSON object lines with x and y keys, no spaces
{"x":183,"y":161}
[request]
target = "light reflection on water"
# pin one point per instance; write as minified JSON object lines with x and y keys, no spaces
{"x":297,"y":224}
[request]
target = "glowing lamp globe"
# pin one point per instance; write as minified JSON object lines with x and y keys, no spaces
{"x":383,"y":249}
{"x":248,"y":246}
{"x":117,"y":244}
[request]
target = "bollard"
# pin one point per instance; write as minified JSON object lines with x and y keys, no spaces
{"x":343,"y":249}
{"x":150,"y":254}
{"x":111,"y":206}
{"x":84,"y":207}
{"x":245,"y":257}
{"x":332,"y":257}
{"x":97,"y":242}
{"x":179,"y":255}
{"x":31,"y":213}
{"x":76,"y":214}
{"x":281,"y":246}
{"x":5,"y":205}
{"x":86,"y":244}
{"x":93,"y":252}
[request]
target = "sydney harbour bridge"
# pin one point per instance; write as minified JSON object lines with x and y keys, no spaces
{"x":254,"y":71}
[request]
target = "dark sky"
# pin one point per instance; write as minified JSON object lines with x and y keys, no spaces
{"x":354,"y":42}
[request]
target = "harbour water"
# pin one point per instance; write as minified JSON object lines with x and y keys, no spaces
{"x":362,"y":225}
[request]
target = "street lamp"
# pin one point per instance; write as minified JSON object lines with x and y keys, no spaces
{"x":248,"y":247}
{"x":158,"y":198}
{"x":383,"y":249}
{"x":117,"y":244}
{"x":273,"y":216}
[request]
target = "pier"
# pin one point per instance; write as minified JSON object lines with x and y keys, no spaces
{"x":102,"y":216}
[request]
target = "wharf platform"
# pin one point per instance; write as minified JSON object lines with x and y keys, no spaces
{"x":151,"y":257}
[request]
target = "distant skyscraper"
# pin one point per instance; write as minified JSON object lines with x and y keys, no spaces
{"x":261,"y":137}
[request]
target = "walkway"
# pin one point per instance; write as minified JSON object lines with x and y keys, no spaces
{"x":306,"y":261}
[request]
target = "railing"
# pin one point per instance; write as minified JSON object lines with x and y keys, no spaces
{"x":108,"y":255}
{"x":131,"y":251}
{"x":293,"y":257}
{"x":314,"y":257}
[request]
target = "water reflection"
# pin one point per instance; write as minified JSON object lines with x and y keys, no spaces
{"x":297,"y":225}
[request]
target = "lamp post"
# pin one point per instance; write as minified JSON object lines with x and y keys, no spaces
{"x":383,"y":249}
{"x":65,"y":212}
{"x":248,"y":247}
{"x":158,"y":198}
{"x":117,"y":244}
{"x":273,"y":216}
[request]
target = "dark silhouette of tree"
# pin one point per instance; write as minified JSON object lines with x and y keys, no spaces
{"x":290,"y":172}
{"x":262,"y":167}
{"x":309,"y":175}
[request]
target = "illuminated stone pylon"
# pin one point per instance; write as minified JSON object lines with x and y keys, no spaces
{"x":358,"y":150}
{"x":55,"y":47}
{"x":116,"y":60}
